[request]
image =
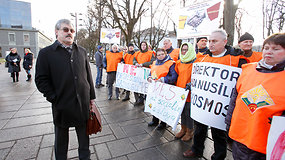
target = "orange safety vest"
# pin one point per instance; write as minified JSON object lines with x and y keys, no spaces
{"x":143,"y":57}
{"x":112,"y":60}
{"x":184,"y":75}
{"x":128,"y":58}
{"x":260,"y":96}
{"x":158,"y":71}
{"x":255,"y":57}
{"x":174,"y":54}
{"x":229,"y":60}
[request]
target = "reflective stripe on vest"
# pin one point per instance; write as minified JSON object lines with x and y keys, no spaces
{"x":260,"y":96}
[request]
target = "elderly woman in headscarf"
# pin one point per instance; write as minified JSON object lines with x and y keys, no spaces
{"x":184,"y":68}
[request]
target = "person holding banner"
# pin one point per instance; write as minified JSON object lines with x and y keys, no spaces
{"x":173,"y":53}
{"x":183,"y":68}
{"x":201,"y":45}
{"x":128,"y":59}
{"x":259,"y":95}
{"x":219,"y":53}
{"x":110,"y":63}
{"x":143,"y":58}
{"x":162,"y":70}
{"x":245,"y":43}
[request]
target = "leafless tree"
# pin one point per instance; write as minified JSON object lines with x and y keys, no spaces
{"x":229,"y":17}
{"x":238,"y":21}
{"x":126,"y":14}
{"x":273,"y":16}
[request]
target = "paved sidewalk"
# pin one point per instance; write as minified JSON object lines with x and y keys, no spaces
{"x":26,"y":128}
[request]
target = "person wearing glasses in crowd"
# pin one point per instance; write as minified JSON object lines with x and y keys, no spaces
{"x":64,"y":77}
{"x":258,"y":96}
{"x":183,"y":68}
{"x":162,"y":70}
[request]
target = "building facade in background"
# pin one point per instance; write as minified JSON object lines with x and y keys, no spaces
{"x":16,"y":29}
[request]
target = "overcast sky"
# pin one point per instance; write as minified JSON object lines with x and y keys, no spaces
{"x":45,"y":13}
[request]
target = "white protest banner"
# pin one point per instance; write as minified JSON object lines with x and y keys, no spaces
{"x":110,"y":35}
{"x":195,"y":19}
{"x":132,"y":78}
{"x":276,"y":139}
{"x":211,"y":89}
{"x":166,"y":102}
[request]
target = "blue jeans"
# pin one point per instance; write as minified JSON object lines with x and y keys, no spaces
{"x":99,"y":76}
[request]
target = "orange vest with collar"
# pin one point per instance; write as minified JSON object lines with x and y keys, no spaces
{"x":158,"y":71}
{"x":260,"y":96}
{"x":128,"y":58}
{"x":112,"y":60}
{"x":184,"y":75}
{"x":143,"y":57}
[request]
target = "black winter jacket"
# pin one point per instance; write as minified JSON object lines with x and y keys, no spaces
{"x":66,"y":81}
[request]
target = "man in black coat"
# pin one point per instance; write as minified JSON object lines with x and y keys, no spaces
{"x":64,"y":77}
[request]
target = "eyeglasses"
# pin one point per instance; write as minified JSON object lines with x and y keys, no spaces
{"x":65,"y":29}
{"x":184,"y":50}
{"x":160,"y":55}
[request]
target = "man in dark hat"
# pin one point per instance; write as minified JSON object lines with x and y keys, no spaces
{"x":201,"y":45}
{"x":245,"y":43}
{"x":99,"y":64}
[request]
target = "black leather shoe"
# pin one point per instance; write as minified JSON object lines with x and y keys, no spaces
{"x":161,"y":126}
{"x":109,"y":97}
{"x":152,"y":123}
{"x":101,"y":85}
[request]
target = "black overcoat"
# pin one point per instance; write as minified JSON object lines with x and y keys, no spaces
{"x":28,"y":61}
{"x":66,"y":81}
{"x":10,"y":59}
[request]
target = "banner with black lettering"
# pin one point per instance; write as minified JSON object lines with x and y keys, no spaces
{"x":212,"y":85}
{"x":132,"y":78}
{"x":166,"y":102}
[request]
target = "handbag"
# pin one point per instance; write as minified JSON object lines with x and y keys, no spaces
{"x":94,"y":123}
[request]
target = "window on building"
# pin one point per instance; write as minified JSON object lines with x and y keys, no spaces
{"x":12,"y":37}
{"x":26,"y":38}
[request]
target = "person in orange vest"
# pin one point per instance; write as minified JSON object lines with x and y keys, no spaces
{"x":259,"y":95}
{"x":183,"y":68}
{"x":220,"y":53}
{"x":143,"y":58}
{"x":245,"y":43}
{"x":201,"y":45}
{"x":162,"y":70}
{"x":128,"y":58}
{"x":173,"y":53}
{"x":110,"y":63}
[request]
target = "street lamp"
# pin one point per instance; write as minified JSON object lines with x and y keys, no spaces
{"x":75,"y":15}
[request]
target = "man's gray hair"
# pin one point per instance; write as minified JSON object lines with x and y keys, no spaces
{"x":222,"y":32}
{"x":167,"y":39}
{"x":115,"y":45}
{"x":61,"y":21}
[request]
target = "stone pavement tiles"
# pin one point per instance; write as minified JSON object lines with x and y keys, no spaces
{"x":26,"y":128}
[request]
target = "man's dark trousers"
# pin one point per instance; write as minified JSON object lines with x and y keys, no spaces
{"x":61,"y":143}
{"x":219,"y":137}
